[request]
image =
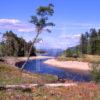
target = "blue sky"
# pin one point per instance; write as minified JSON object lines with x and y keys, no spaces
{"x":72,"y":17}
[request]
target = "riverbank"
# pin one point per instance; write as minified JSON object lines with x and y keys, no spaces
{"x":14,"y":60}
{"x":75,"y":66}
{"x":21,"y":85}
{"x":26,"y":86}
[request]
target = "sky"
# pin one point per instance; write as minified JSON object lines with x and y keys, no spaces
{"x":71,"y":17}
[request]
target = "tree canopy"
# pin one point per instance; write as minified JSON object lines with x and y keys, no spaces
{"x":12,"y":45}
{"x":89,"y":44}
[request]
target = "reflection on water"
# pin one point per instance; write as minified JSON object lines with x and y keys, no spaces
{"x":37,"y":66}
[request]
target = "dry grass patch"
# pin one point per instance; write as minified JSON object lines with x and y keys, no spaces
{"x":84,"y":91}
{"x":11,"y":75}
{"x":84,"y":58}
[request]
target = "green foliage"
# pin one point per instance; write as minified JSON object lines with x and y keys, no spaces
{"x":14,"y":46}
{"x":84,"y":43}
{"x":95,"y":72}
{"x":90,"y":42}
{"x":72,"y":52}
{"x":69,"y":53}
{"x":45,"y":10}
{"x":41,"y":19}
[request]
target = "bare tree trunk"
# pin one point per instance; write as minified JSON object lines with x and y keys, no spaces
{"x":35,"y":39}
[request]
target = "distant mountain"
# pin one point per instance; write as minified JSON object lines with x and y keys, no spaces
{"x":52,"y":52}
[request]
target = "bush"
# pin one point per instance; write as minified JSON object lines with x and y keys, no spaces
{"x":95,"y":72}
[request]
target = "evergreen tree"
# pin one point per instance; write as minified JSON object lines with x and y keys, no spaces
{"x":12,"y":45}
{"x":89,"y":43}
{"x":84,"y":43}
{"x":93,"y":41}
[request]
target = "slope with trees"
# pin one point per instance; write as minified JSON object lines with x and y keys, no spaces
{"x":89,"y":44}
{"x":12,"y":45}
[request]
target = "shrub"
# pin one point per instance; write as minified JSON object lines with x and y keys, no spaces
{"x":95,"y":72}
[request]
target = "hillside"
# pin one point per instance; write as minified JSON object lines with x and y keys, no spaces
{"x":10,"y":75}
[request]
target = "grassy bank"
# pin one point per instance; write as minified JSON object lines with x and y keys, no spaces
{"x":84,"y":58}
{"x":12,"y":75}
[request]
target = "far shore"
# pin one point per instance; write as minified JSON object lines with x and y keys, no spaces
{"x":14,"y":60}
{"x":74,"y":66}
{"x":33,"y":58}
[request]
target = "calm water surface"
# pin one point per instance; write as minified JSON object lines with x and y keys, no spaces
{"x":37,"y":66}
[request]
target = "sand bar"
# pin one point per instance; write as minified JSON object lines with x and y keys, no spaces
{"x":81,"y":67}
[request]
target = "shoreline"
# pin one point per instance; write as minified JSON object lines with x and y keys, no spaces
{"x":72,"y":66}
{"x":15,"y":60}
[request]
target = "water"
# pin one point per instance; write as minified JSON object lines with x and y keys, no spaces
{"x":37,"y":66}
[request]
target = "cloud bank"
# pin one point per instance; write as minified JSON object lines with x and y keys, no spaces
{"x":15,"y":24}
{"x":60,"y":40}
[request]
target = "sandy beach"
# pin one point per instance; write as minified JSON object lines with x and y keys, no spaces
{"x":80,"y":67}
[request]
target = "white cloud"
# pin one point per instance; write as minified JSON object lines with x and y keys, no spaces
{"x":69,"y":36}
{"x":59,"y":41}
{"x":11,"y":21}
{"x":25,"y":30}
{"x":15,"y":24}
{"x":77,"y":36}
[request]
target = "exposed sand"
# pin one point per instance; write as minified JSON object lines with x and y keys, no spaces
{"x":81,"y":67}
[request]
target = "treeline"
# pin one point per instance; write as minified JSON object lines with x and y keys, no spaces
{"x":72,"y":51}
{"x":12,"y":45}
{"x":89,"y":44}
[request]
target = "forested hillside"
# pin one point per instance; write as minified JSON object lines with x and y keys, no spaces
{"x":12,"y":45}
{"x":89,"y":44}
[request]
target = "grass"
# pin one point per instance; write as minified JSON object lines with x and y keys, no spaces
{"x":84,"y":58}
{"x":85,"y":91}
{"x":11,"y":75}
{"x":95,"y":72}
